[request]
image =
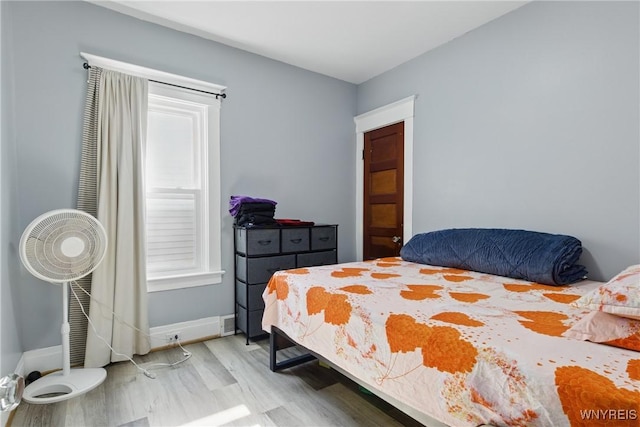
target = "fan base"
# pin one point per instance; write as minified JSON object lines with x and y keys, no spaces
{"x":57,"y":387}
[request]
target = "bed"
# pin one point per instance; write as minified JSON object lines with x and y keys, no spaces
{"x":457,"y":347}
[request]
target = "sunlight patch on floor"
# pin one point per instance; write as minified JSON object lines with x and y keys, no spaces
{"x":222,"y":417}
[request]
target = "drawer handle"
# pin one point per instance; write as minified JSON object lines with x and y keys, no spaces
{"x":296,"y":241}
{"x":323,"y":239}
{"x":264,"y":242}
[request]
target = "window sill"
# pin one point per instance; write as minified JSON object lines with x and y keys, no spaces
{"x":184,"y":281}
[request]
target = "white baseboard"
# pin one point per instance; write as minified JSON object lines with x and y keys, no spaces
{"x":41,"y":359}
{"x":50,"y":358}
{"x":187,"y":331}
{"x":20,"y":368}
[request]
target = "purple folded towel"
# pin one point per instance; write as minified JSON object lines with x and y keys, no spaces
{"x":236,"y":202}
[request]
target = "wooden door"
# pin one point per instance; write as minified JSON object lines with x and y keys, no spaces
{"x":383,"y":191}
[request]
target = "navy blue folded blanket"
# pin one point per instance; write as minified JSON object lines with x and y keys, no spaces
{"x":537,"y":257}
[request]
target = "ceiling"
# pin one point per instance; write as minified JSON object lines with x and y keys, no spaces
{"x":349,"y":40}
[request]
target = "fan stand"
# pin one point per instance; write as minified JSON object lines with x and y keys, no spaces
{"x":68,"y":383}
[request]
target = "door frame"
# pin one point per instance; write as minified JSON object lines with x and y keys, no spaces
{"x":399,"y":111}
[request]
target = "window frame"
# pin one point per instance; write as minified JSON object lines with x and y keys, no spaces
{"x":210,"y":189}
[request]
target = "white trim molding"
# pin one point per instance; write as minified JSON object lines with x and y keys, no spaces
{"x":399,"y":111}
{"x":41,"y":359}
{"x":150,"y":73}
{"x":185,"y":281}
{"x":50,"y":358}
{"x":191,"y":330}
{"x":205,"y":145}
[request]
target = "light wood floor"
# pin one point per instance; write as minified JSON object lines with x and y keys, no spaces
{"x":225,"y":382}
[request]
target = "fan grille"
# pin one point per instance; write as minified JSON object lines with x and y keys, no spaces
{"x":63,"y":245}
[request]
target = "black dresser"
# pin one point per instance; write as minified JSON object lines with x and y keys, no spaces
{"x":261,"y":251}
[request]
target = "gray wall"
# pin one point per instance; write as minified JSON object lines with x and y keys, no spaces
{"x":287,"y":134}
{"x":532,"y":122}
{"x":10,"y":345}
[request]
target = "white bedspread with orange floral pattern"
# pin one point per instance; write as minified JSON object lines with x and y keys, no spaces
{"x":463,"y":347}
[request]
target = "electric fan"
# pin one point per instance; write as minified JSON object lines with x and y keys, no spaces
{"x":61,"y":246}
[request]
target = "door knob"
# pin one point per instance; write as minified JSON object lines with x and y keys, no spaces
{"x":396,"y":239}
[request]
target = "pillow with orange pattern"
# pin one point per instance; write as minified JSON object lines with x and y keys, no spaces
{"x":619,"y":296}
{"x":605,"y":328}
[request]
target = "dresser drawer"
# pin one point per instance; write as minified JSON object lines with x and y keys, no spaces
{"x":260,"y":270}
{"x":323,"y":238}
{"x":317,"y":258}
{"x":250,"y":324}
{"x":295,"y":240}
{"x":256,"y":241}
{"x":250,"y":295}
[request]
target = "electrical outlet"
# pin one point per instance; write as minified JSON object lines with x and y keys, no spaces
{"x":173,"y":337}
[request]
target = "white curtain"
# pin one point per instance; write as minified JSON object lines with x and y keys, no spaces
{"x":119,"y":284}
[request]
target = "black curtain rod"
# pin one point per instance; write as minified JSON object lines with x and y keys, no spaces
{"x":86,"y":66}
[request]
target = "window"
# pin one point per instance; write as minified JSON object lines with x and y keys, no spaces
{"x":182,"y":168}
{"x":182,"y":188}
